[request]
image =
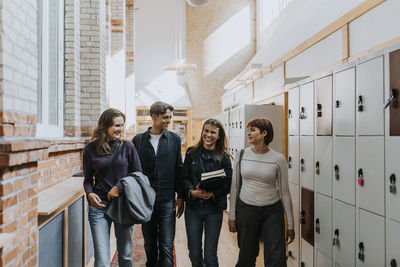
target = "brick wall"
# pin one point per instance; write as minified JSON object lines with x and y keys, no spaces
{"x":130,"y":48}
{"x":117,"y":26}
{"x":93,"y":38}
{"x":205,"y":47}
{"x":72,"y":106}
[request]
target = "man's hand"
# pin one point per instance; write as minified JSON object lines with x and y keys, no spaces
{"x":179,"y":207}
{"x":290,"y":236}
{"x":114,"y":192}
{"x":95,"y":201}
{"x":232,"y":226}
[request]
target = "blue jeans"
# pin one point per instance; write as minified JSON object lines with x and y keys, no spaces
{"x":100,"y":225}
{"x":197,"y":220}
{"x":159,"y":234}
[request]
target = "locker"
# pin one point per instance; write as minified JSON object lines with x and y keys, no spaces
{"x":369,"y":99}
{"x":344,"y":230}
{"x":307,"y":162}
{"x":307,"y":215}
{"x":393,"y":254}
{"x":370,"y":174}
{"x":307,"y":254}
{"x":393,"y":178}
{"x":371,"y":241}
{"x":344,"y":99}
{"x":295,"y":194}
{"x":394,"y":61}
{"x":293,"y":258}
{"x":322,"y":260}
{"x":323,"y":106}
{"x":293,"y":159}
{"x":323,"y":165}
{"x":344,"y":183}
{"x":293,"y":111}
{"x":323,"y":224}
{"x":306,"y":112}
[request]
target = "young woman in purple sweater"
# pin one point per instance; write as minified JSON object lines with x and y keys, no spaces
{"x":101,"y":185}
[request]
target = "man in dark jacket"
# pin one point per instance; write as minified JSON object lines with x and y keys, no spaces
{"x":160,"y":156}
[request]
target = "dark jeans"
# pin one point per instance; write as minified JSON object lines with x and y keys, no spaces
{"x":159,"y":234}
{"x":252,"y":222}
{"x":197,"y":220}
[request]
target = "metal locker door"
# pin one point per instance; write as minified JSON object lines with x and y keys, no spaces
{"x":344,"y":99}
{"x":307,"y":254}
{"x":322,"y":260}
{"x":323,"y":165}
{"x":307,"y":215}
{"x":344,"y":234}
{"x":293,"y":159}
{"x":323,"y":88}
{"x":344,"y":184}
{"x":293,"y":258}
{"x":307,"y":162}
{"x":394,"y":61}
{"x":371,"y":241}
{"x":323,"y":224}
{"x":394,"y":244}
{"x":370,"y":174}
{"x":293,"y":111}
{"x":369,"y":100}
{"x":393,"y":178}
{"x":306,"y":114}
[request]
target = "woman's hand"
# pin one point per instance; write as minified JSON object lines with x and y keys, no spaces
{"x":290,"y":236}
{"x":95,"y":201}
{"x":232,"y":226}
{"x":199,"y":193}
{"x":114,"y":192}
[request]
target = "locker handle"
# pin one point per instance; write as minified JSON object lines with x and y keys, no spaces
{"x":392,"y":186}
{"x":289,"y":113}
{"x":317,"y":226}
{"x":361,"y":252}
{"x":319,"y":110}
{"x":336,"y":238}
{"x":301,"y":165}
{"x":361,"y":246}
{"x":360,"y":179}
{"x":289,"y":255}
{"x":337,"y":104}
{"x":360,"y":103}
{"x":336,"y":169}
{"x":303,"y":217}
{"x":393,"y":263}
{"x":390,"y":99}
{"x":302,"y":114}
{"x":290,"y":162}
{"x":317,"y":167}
{"x":392,"y":178}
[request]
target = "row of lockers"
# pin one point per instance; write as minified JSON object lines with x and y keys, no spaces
{"x":349,"y":101}
{"x":342,"y":165}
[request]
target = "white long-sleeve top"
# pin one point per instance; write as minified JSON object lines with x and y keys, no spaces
{"x":264,"y":182}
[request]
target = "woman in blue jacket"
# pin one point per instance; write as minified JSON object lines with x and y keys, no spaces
{"x":204,"y":210}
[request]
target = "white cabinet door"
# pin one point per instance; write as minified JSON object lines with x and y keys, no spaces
{"x":343,"y":102}
{"x":322,"y":260}
{"x":293,"y":112}
{"x":372,"y":239}
{"x":370,"y":119}
{"x":393,"y":173}
{"x":323,"y":165}
{"x":393,"y":253}
{"x":344,"y":183}
{"x":307,"y":254}
{"x":307,"y":162}
{"x":293,"y":159}
{"x":306,"y":114}
{"x":323,"y":105}
{"x":295,"y":194}
{"x":344,"y":229}
{"x":370,"y":174}
{"x":323,"y":224}
{"x":293,"y":253}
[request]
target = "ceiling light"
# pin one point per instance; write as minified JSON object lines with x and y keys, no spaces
{"x":198,"y":2}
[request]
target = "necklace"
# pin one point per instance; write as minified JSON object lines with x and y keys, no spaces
{"x":260,"y":151}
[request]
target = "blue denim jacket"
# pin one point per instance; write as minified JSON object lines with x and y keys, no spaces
{"x":164,"y":170}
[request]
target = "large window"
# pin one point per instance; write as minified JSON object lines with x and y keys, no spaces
{"x":51,"y":67}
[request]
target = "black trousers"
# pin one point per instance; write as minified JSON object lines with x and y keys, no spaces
{"x":265,"y":223}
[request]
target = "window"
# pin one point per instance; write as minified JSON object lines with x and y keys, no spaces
{"x":51,"y":68}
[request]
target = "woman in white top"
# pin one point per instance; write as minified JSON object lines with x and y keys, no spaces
{"x":259,"y":198}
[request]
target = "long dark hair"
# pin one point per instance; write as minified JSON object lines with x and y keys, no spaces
{"x":221,"y":146}
{"x":100,"y":135}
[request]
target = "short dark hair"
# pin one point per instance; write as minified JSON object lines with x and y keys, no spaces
{"x":264,"y":125}
{"x":160,"y":108}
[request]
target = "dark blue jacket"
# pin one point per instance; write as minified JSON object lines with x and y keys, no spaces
{"x":192,"y":170}
{"x":164,"y":170}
